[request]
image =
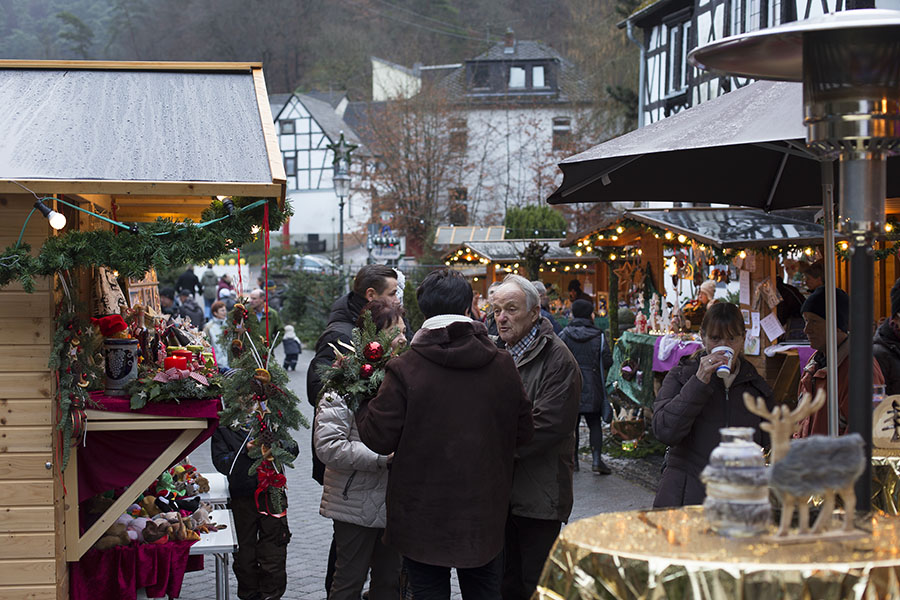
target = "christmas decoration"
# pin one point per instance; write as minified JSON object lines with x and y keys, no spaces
{"x":355,"y":373}
{"x":256,"y":396}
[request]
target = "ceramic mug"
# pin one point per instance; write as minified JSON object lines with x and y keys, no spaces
{"x":724,"y":371}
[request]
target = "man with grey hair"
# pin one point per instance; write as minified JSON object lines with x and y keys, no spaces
{"x":545,"y":305}
{"x":542,"y":480}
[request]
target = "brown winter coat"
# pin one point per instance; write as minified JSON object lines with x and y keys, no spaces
{"x":688,"y":414}
{"x":542,"y":484}
{"x":452,"y":410}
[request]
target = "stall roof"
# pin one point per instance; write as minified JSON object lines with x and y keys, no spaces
{"x":737,"y":227}
{"x":447,"y":234}
{"x":150,"y":129}
{"x":507,"y":250}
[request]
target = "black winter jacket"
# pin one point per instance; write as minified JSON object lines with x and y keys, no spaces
{"x":688,"y":414}
{"x":886,"y":348}
{"x":344,"y":313}
{"x":590,"y":349}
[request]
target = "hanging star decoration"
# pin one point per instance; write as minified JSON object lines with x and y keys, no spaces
{"x":256,"y":397}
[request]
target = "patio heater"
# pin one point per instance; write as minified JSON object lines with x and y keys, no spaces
{"x":849,"y":63}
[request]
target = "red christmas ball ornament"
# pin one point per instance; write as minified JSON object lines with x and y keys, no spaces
{"x":373,"y":351}
{"x":366,"y":370}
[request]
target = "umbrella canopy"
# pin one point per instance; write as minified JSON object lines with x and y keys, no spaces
{"x":744,"y":148}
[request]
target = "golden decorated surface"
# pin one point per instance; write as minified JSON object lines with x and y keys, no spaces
{"x":674,"y":554}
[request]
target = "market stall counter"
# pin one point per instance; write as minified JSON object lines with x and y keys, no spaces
{"x":673,"y":553}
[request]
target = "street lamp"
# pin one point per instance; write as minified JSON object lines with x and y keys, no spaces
{"x":341,"y":179}
{"x":849,"y":63}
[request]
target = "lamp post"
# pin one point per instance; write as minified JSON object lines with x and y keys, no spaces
{"x":341,"y":179}
{"x":849,"y":63}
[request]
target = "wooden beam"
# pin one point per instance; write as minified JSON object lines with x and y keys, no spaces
{"x":276,"y":164}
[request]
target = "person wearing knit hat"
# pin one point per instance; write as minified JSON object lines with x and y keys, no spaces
{"x":707,"y":292}
{"x":815,"y":373}
{"x":886,"y":345}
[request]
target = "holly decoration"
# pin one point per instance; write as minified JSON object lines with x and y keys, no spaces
{"x":358,"y":370}
{"x":72,"y":351}
{"x":256,"y":397}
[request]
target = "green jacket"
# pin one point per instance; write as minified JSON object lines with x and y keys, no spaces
{"x":258,"y":326}
{"x":542,"y":479}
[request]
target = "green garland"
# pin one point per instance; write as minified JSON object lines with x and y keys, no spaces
{"x":145,"y":389}
{"x":163,"y":244}
{"x":357,"y":372}
{"x":75,"y":343}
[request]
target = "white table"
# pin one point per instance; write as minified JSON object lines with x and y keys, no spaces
{"x":218,"y":494}
{"x":220,"y":544}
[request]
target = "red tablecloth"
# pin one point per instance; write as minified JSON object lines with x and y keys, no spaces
{"x":117,"y":573}
{"x":113,"y":459}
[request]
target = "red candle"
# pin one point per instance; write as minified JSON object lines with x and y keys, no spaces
{"x":179,"y":362}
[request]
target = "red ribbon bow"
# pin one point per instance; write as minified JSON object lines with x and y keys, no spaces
{"x":267,"y":476}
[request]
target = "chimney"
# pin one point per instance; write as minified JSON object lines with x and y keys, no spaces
{"x":509,"y":42}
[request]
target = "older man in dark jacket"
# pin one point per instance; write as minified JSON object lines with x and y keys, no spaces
{"x":542,"y":483}
{"x":452,"y":410}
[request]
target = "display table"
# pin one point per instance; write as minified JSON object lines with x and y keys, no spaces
{"x":218,"y":494}
{"x":672,"y":553}
{"x":125,"y":448}
{"x":671,"y":348}
{"x":220,"y":544}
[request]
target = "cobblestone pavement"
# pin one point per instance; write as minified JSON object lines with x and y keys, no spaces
{"x":308,"y":551}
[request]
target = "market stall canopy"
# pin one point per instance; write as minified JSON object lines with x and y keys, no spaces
{"x":511,"y":250}
{"x":737,"y":227}
{"x":164,"y":137}
{"x":744,"y":148}
{"x":450,"y":234}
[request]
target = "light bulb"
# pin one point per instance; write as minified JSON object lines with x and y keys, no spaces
{"x":57,"y":220}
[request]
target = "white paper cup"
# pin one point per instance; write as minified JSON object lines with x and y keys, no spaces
{"x":724,"y":370}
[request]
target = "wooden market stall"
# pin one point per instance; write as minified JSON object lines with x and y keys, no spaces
{"x":131,"y":141}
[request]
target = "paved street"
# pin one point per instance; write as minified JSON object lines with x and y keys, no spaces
{"x":308,"y":551}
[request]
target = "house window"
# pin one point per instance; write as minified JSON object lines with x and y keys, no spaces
{"x":679,"y":46}
{"x":481,"y":76}
{"x":290,"y":165}
{"x":562,"y":133}
{"x":458,"y":212}
{"x":459,"y":135}
{"x":537,"y":77}
{"x":516,"y":77}
{"x":751,"y":15}
{"x":287,"y":127}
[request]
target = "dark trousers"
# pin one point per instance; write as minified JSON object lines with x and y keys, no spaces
{"x":259,"y":563}
{"x":528,"y":543}
{"x":430,"y":582}
{"x":359,"y":548}
{"x":290,"y":362}
{"x":595,"y":426}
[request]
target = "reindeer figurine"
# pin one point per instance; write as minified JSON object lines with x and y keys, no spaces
{"x":815,"y":465}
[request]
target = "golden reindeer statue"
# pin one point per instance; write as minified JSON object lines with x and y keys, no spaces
{"x":814,"y":465}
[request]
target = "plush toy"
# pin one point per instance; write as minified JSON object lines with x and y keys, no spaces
{"x":148,"y":504}
{"x":200,"y":516}
{"x":116,"y":535}
{"x":156,"y":533}
{"x":166,"y":483}
{"x":135,"y":510}
{"x":202,"y":484}
{"x":98,"y":504}
{"x":136,"y":528}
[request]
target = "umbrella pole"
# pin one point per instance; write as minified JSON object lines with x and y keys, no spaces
{"x":827,"y":167}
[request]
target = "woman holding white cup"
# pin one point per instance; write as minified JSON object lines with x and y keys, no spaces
{"x":702,"y":394}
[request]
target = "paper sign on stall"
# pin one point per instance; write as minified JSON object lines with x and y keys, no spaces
{"x":745,"y":287}
{"x":751,"y":345}
{"x":754,"y":324}
{"x":772,"y":326}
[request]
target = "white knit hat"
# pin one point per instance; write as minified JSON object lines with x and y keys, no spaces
{"x":708,"y":287}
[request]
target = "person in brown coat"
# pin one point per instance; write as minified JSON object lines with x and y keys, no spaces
{"x":542,"y":484}
{"x":452,"y":410}
{"x":694,"y":402}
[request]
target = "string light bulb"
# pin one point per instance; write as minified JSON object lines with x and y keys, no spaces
{"x":620,"y":229}
{"x":742,"y":254}
{"x":682,"y":238}
{"x":889,"y":227}
{"x":57,"y":220}
{"x":669,"y":235}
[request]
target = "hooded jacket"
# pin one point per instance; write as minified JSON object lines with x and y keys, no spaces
{"x":542,"y":484}
{"x":452,"y":409}
{"x":886,"y":348}
{"x":344,"y":313}
{"x":688,"y":414}
{"x":590,"y":349}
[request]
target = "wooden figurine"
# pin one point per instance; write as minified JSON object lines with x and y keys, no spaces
{"x":817,"y":465}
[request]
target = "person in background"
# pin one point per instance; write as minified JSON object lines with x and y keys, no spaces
{"x":292,"y":348}
{"x":225,"y":282}
{"x":209,"y":281}
{"x":167,"y":301}
{"x":886,"y":346}
{"x":814,"y":376}
{"x":576,"y":293}
{"x":356,"y":481}
{"x":189,"y":308}
{"x":545,"y":307}
{"x":489,"y":321}
{"x":453,"y":411}
{"x":188,"y":281}
{"x":590,"y":349}
{"x":260,"y":560}
{"x":707,"y":293}
{"x":694,"y":402}
{"x":229,"y":297}
{"x":213,"y":332}
{"x":815,"y":275}
{"x":257,"y":320}
{"x":542,"y":481}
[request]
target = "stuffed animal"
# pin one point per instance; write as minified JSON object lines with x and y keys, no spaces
{"x":136,"y":528}
{"x":116,"y":535}
{"x":200,"y":516}
{"x":202,"y":484}
{"x":148,"y":504}
{"x":166,"y":483}
{"x":156,"y":533}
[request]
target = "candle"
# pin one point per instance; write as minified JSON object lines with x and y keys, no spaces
{"x":179,"y":362}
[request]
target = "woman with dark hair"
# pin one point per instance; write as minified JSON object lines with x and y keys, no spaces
{"x":355,"y":484}
{"x":697,"y":398}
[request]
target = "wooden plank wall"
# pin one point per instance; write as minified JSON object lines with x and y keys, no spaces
{"x":32,"y":543}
